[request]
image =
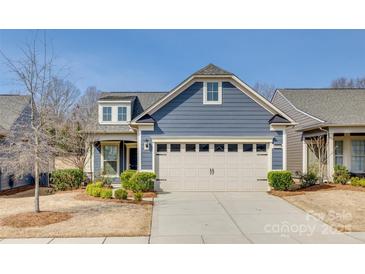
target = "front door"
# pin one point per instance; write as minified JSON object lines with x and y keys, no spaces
{"x":133,"y":158}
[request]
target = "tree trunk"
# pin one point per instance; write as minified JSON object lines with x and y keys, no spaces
{"x":36,"y":175}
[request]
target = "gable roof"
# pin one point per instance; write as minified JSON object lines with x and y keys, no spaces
{"x":211,"y":71}
{"x":332,"y":106}
{"x":11,"y":107}
{"x":278,"y":119}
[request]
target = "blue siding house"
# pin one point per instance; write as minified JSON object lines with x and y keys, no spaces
{"x":212,"y":132}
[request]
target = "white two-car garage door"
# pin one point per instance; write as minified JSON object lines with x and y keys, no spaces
{"x":211,"y":166}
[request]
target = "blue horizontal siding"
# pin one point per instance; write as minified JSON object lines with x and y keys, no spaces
{"x":277,"y":158}
{"x":186,"y":115}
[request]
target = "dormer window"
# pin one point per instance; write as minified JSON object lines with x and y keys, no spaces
{"x":212,"y":91}
{"x":107,"y":114}
{"x":122,"y":114}
{"x":114,"y":112}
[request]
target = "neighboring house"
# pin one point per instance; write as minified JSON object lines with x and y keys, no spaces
{"x":14,"y":115}
{"x":337,"y":115}
{"x":211,"y":132}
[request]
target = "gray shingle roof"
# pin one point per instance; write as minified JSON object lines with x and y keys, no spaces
{"x":11,"y":106}
{"x":333,"y":106}
{"x":212,"y":69}
{"x":144,"y":99}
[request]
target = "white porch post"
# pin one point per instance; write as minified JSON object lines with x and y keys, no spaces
{"x":330,"y":155}
{"x":305,"y":155}
{"x":284,"y":146}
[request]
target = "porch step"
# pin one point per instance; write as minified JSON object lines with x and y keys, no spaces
{"x":116,"y":186}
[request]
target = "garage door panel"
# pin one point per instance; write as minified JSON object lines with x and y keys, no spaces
{"x":212,"y":171}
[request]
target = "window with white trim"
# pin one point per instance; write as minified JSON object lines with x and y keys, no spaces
{"x":358,"y":156}
{"x":339,"y":153}
{"x":122,"y":114}
{"x":107,"y":114}
{"x":110,"y":160}
{"x":212,"y":92}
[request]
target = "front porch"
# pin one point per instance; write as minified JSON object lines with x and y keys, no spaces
{"x":343,"y":146}
{"x":109,"y":157}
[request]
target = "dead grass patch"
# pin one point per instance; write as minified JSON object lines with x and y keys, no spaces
{"x":31,"y":219}
{"x":342,"y":209}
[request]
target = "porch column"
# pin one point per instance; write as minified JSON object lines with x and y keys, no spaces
{"x":330,"y":155}
{"x":304,"y":156}
{"x":347,"y":151}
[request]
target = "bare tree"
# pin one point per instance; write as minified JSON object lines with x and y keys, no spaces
{"x":60,"y":97}
{"x":344,"y":82}
{"x":86,"y":106}
{"x":318,"y":146}
{"x":77,"y":132}
{"x":31,"y":146}
{"x":265,"y":90}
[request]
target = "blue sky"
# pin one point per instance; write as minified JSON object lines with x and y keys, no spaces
{"x":157,"y":60}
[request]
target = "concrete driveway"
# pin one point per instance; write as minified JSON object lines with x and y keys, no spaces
{"x":236,"y":217}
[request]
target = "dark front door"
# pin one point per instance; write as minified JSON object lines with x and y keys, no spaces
{"x":133,"y":158}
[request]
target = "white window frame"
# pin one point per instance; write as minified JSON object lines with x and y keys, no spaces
{"x":117,"y":144}
{"x":338,"y":155}
{"x":111,"y":113}
{"x":114,"y":105}
{"x":126,"y":112}
{"x":205,"y":93}
{"x":352,"y":156}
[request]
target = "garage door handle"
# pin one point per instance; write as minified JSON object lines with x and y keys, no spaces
{"x":213,"y":171}
{"x":210,"y":171}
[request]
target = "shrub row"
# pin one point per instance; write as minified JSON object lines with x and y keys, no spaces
{"x":356,"y":181}
{"x":137,"y":181}
{"x":280,"y":180}
{"x":97,"y":190}
{"x":66,"y":179}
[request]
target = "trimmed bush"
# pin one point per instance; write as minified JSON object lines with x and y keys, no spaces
{"x":341,"y":175}
{"x":96,"y":191}
{"x":280,"y":180}
{"x":142,"y":181}
{"x":138,"y":196}
{"x":99,"y":184}
{"x":125,"y":178}
{"x":356,"y":181}
{"x":121,"y":194}
{"x":309,"y":179}
{"x":65,"y":179}
{"x":106,"y":193}
{"x":89,"y":189}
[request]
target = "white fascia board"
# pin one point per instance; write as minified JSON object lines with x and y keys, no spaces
{"x":113,"y":101}
{"x":261,"y":100}
{"x":299,"y":110}
{"x":230,"y":78}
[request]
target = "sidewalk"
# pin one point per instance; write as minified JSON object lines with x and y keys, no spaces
{"x":346,"y":238}
{"x":97,"y":240}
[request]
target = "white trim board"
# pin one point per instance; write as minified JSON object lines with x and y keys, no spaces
{"x":219,"y":78}
{"x":297,"y":109}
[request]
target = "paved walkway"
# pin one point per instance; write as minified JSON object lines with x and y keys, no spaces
{"x":229,"y":218}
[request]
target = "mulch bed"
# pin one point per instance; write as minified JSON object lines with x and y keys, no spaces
{"x":82,"y":196}
{"x":32,"y":219}
{"x":15,"y":190}
{"x":323,"y":187}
